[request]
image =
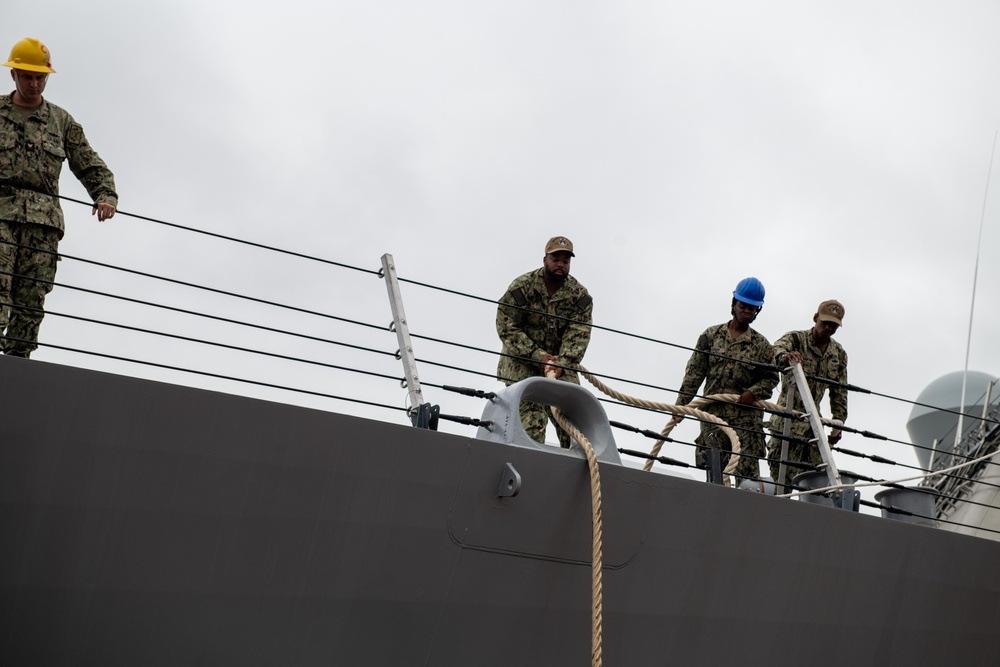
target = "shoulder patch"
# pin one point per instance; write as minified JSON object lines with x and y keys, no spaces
{"x":74,"y":135}
{"x":584,"y":301}
{"x":519,"y":298}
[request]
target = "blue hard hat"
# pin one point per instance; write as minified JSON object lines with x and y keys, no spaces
{"x":751,"y":291}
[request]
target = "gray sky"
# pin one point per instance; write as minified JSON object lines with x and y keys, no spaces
{"x":833,"y":150}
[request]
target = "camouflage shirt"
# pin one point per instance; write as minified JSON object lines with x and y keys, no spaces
{"x":32,"y":151}
{"x":532,"y":335}
{"x":723,"y":373}
{"x":830,"y":363}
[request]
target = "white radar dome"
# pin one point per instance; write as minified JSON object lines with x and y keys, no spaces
{"x":927,"y":424}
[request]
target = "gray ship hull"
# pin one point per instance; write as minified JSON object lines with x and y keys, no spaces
{"x":145,"y":523}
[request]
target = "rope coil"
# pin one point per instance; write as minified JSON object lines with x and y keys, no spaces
{"x":680,"y":411}
{"x":691,"y":410}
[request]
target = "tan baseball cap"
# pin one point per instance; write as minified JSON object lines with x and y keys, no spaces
{"x":831,"y":311}
{"x":559,"y":244}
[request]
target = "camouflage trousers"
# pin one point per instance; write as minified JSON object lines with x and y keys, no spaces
{"x":751,"y":435}
{"x":21,"y":270}
{"x":797,"y":451}
{"x":535,"y":417}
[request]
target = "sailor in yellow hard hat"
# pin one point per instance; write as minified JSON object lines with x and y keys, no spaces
{"x":37,"y":137}
{"x":31,"y":65}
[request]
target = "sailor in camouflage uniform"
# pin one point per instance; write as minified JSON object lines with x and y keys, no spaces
{"x":717,"y":362}
{"x":820,"y":356}
{"x":36,"y":137}
{"x":546,"y":321}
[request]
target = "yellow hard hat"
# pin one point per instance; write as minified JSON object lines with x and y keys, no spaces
{"x":31,"y":55}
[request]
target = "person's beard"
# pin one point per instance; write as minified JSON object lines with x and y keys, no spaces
{"x":554,"y":277}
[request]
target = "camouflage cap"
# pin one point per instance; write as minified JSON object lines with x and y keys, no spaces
{"x":831,"y":311}
{"x":559,"y":244}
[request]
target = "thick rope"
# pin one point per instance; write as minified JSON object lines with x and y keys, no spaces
{"x":691,"y":410}
{"x":597,"y":595}
{"x":597,"y":530}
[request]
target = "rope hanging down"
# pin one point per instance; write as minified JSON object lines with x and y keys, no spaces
{"x":597,"y":594}
{"x":597,"y":534}
{"x":595,"y":480}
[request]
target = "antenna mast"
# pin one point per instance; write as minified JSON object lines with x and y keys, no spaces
{"x":972,"y":308}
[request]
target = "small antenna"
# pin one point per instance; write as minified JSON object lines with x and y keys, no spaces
{"x":972,"y":308}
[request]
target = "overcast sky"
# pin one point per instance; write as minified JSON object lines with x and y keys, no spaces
{"x":831,"y":149}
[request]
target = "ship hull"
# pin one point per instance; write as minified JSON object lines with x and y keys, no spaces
{"x":146,"y":523}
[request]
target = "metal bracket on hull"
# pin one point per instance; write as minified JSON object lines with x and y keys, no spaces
{"x":847,"y":499}
{"x":575,"y":402}
{"x":510,"y":482}
{"x":714,"y":457}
